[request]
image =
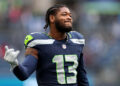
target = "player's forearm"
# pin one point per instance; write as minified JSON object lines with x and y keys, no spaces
{"x":24,"y":70}
{"x":20,"y":73}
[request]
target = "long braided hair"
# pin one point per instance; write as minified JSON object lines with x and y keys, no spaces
{"x":52,"y":11}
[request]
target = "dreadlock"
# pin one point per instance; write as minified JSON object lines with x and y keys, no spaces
{"x":52,"y":11}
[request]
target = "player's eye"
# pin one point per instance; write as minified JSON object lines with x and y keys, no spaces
{"x":70,"y":15}
{"x":64,"y":14}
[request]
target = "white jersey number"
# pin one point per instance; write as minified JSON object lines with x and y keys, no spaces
{"x":60,"y":61}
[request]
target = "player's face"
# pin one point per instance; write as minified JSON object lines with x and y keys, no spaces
{"x":63,"y":20}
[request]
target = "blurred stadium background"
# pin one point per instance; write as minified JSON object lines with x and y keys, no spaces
{"x":97,"y":20}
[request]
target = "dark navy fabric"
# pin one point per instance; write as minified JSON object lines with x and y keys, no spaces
{"x":45,"y":67}
{"x":24,"y":70}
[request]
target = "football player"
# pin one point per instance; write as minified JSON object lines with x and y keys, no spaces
{"x":56,"y":56}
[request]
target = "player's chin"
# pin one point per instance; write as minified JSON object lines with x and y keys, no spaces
{"x":68,"y":26}
{"x":68,"y":29}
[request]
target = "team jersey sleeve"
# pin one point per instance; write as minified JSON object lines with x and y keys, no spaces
{"x":82,"y":75}
{"x":31,"y":40}
{"x":26,"y":68}
{"x":28,"y":39}
{"x":29,"y":65}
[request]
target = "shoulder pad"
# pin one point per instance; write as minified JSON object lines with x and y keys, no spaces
{"x":76,"y":37}
{"x":75,"y":34}
{"x":27,"y":39}
{"x":31,"y":37}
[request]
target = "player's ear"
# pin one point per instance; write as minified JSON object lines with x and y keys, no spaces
{"x":52,"y":18}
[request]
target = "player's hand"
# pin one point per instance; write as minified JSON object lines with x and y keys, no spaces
{"x":11,"y":56}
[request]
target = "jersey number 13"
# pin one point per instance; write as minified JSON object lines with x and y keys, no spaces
{"x":60,"y":61}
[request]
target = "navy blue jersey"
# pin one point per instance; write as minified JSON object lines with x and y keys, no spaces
{"x":60,"y":61}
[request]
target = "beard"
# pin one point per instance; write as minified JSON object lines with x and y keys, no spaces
{"x":62,"y":28}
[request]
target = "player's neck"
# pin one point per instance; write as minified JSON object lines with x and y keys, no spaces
{"x":54,"y":33}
